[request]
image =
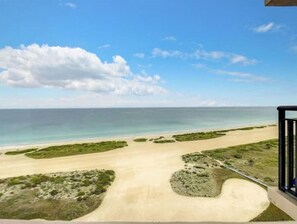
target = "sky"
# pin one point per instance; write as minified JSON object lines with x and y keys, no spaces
{"x":146,"y":53}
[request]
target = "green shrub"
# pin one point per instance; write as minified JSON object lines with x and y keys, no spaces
{"x":238,"y":156}
{"x":38,"y":179}
{"x":164,"y":141}
{"x":81,"y":193}
{"x":251,"y":162}
{"x":99,"y":189}
{"x":28,"y":185}
{"x":86,"y":183}
{"x":109,"y":172}
{"x":267,"y":146}
{"x":14,"y":181}
{"x":228,"y":163}
{"x":17,"y":152}
{"x":57,"y":180}
{"x":54,"y":192}
{"x":140,"y":140}
{"x":156,"y":139}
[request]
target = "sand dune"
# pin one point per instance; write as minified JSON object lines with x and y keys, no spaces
{"x":142,"y":192}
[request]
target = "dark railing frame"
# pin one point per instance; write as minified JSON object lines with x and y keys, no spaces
{"x":287,"y":156}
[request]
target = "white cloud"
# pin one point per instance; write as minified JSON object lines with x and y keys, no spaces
{"x":209,"y":54}
{"x":104,"y":46}
{"x":71,"y":5}
{"x":264,"y":28}
{"x":241,"y":76}
{"x":231,"y":57}
{"x":268,"y":27}
{"x":71,"y":68}
{"x":139,"y":55}
{"x":240,"y":59}
{"x":169,"y":38}
{"x":157,"y":52}
{"x":150,"y":79}
{"x":200,"y":54}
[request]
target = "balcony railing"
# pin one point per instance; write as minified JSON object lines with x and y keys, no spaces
{"x":287,"y":151}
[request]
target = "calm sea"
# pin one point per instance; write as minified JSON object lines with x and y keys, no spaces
{"x":28,"y":126}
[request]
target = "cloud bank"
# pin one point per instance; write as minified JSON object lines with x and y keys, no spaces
{"x":36,"y":66}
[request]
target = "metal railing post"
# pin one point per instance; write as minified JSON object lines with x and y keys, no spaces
{"x":282,"y":148}
{"x":290,"y":148}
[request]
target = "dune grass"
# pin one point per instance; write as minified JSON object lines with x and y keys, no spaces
{"x":76,"y":149}
{"x":140,"y":140}
{"x":55,"y":196}
{"x":246,"y":128}
{"x":198,"y":136}
{"x":201,"y":177}
{"x":258,"y":160}
{"x":195,"y":136}
{"x":164,"y":141}
{"x":18,"y":152}
{"x":206,"y":183}
{"x":156,"y":139}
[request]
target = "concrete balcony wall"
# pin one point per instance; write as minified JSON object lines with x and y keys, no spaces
{"x":283,"y":201}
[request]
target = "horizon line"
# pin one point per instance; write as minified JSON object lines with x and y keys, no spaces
{"x":157,"y":107}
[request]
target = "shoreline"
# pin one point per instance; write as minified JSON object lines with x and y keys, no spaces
{"x":129,"y":137}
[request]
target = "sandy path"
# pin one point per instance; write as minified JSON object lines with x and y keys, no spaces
{"x":142,"y":192}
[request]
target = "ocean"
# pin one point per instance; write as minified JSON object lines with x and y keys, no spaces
{"x":32,"y":126}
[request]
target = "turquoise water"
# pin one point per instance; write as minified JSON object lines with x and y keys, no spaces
{"x":29,"y":126}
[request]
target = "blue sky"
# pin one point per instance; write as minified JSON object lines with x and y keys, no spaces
{"x":146,"y":53}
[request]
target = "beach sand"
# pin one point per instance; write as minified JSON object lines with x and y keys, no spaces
{"x":141,"y":190}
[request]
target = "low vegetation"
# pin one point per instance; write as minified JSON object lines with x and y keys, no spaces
{"x":140,"y":140}
{"x":156,"y":139}
{"x":201,"y":177}
{"x":55,"y":196}
{"x":212,"y":134}
{"x":76,"y":149}
{"x":164,"y":141}
{"x":18,"y":152}
{"x":198,"y":136}
{"x":247,"y":128}
{"x":272,"y":213}
{"x":258,"y":160}
{"x":204,"y":177}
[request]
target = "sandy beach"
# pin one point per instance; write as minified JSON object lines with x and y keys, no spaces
{"x":142,"y":192}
